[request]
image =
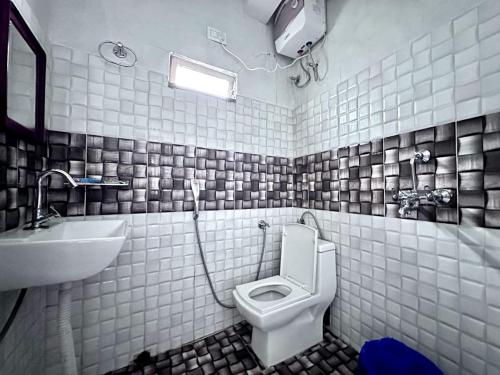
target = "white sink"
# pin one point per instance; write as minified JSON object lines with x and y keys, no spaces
{"x":66,"y":251}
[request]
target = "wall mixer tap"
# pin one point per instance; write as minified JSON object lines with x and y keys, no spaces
{"x":410,"y":200}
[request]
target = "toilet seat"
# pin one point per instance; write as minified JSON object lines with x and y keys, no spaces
{"x":286,"y":311}
{"x":262,"y":306}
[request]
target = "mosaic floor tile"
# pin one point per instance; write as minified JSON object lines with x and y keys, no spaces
{"x":229,"y":352}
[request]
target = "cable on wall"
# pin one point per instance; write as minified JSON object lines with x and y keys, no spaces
{"x":276,"y":66}
{"x":13,"y":313}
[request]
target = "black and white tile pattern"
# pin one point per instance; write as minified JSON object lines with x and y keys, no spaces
{"x":360,"y":179}
{"x":158,"y":174}
{"x":300,"y":181}
{"x":478,"y":163}
{"x":121,"y":159}
{"x":356,"y":179}
{"x":279,"y":179}
{"x":67,"y":152}
{"x":216,"y":169}
{"x":229,"y":352}
{"x":19,"y":163}
{"x":250,"y":180}
{"x":439,"y":172}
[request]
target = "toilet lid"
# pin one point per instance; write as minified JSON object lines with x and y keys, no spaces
{"x":298,"y":255}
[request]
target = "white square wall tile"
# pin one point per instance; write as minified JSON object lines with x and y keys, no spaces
{"x":490,"y":46}
{"x":467,"y":74}
{"x":465,"y":21}
{"x":441,"y":34}
{"x":468,"y":109}
{"x":421,"y":44}
{"x":489,"y":27}
{"x":488,"y":9}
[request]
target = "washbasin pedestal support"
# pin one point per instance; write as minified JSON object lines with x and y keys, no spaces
{"x":67,"y":345}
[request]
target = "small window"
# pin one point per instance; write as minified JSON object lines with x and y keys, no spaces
{"x":186,"y":73}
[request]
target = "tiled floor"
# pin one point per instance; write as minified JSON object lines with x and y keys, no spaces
{"x":229,"y":352}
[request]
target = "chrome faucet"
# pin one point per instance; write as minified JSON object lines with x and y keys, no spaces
{"x":409,"y":200}
{"x":42,"y":215}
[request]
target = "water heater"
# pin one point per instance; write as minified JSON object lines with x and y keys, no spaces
{"x":297,"y":25}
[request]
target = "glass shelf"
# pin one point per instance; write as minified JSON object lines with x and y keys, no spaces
{"x":102,"y":183}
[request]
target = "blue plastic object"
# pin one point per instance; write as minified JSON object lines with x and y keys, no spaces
{"x":388,"y":356}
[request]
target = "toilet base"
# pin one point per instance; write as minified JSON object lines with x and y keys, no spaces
{"x":288,"y":340}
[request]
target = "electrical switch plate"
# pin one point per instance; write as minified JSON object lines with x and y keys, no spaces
{"x":216,"y":35}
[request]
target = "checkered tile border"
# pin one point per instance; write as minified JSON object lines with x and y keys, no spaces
{"x":479,"y":171}
{"x":354,"y":179}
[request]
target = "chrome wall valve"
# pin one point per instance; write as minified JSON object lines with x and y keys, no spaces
{"x":442,"y":196}
{"x":409,"y":200}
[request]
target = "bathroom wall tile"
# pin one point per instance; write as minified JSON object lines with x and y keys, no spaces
{"x":20,"y":161}
{"x":328,"y":186}
{"x":438,"y":173}
{"x":117,"y":159}
{"x":477,"y":171}
{"x":250,"y":180}
{"x":301,"y":184}
{"x":344,"y":176}
{"x":376,"y":179}
{"x":280,"y":180}
{"x":154,"y":171}
{"x":177,"y":168}
{"x":216,"y":169}
{"x":67,"y":152}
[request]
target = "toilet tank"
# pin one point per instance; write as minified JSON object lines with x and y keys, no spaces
{"x":326,"y":274}
{"x":324,"y":246}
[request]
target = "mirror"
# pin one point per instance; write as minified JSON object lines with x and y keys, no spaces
{"x":21,"y":80}
{"x":22,"y":76}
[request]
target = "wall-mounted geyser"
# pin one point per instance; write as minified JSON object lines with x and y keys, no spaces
{"x":297,"y":25}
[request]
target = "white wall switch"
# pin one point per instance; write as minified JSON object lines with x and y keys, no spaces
{"x":216,"y":35}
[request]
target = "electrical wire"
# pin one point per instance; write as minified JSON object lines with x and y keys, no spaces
{"x":327,"y":64}
{"x":13,"y":313}
{"x":277,"y":66}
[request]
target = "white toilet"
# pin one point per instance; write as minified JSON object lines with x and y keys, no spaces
{"x":286,"y":311}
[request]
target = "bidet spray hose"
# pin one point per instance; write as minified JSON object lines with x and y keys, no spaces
{"x":204,"y":262}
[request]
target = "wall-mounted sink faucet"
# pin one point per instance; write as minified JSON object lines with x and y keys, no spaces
{"x":41,"y":214}
{"x":409,"y":200}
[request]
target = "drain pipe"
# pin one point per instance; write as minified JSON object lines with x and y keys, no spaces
{"x":66,"y":342}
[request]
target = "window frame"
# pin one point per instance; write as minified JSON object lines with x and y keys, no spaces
{"x":204,"y":68}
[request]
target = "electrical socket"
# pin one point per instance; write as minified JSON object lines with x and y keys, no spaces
{"x":216,"y":35}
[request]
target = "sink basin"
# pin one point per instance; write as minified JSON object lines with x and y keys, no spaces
{"x":67,"y":251}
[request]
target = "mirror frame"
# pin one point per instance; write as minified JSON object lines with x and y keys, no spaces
{"x":9,"y":13}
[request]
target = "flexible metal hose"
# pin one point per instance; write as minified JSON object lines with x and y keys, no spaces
{"x":302,"y":221}
{"x":204,"y":262}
